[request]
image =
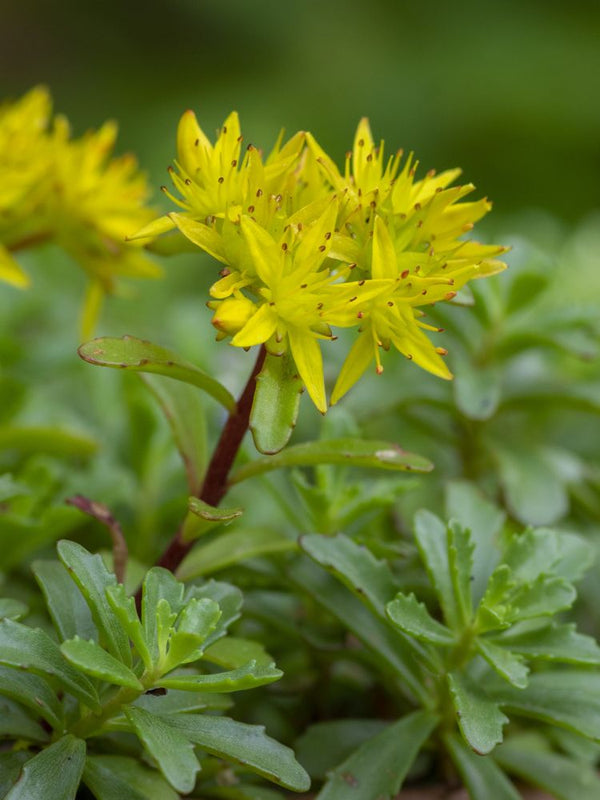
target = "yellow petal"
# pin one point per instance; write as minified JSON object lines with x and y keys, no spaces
{"x":384,"y":256}
{"x":357,"y":361}
{"x":11,"y":272}
{"x":260,"y":327}
{"x":203,"y":235}
{"x":309,"y":361}
{"x":190,"y":138}
{"x":264,"y":251}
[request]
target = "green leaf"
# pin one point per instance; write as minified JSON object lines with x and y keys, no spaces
{"x":414,"y":619}
{"x":182,"y":702}
{"x":481,"y":775}
{"x":53,"y":774}
{"x":12,"y":609}
{"x":246,"y":677}
{"x":90,"y":658}
{"x":32,"y":649}
{"x":432,"y":541}
{"x":230,"y":601}
{"x":533,"y":553}
{"x":534,"y":493}
{"x":10,"y":768}
{"x":17,"y":723}
{"x":124,"y":608}
{"x":379,"y":766}
{"x":507,"y":665}
{"x":196,"y":622}
{"x":350,"y":452}
{"x":358,"y":569}
{"x":477,"y":390}
{"x":552,"y":642}
{"x":233,"y":652}
{"x":93,"y":579}
{"x":233,"y":548}
{"x":169,"y":747}
{"x":9,"y":488}
{"x":141,"y":356}
{"x":182,"y":407}
{"x":543,"y":597}
{"x":117,"y":777}
{"x":39,"y":439}
{"x":244,"y":744}
{"x":32,"y":691}
{"x":564,"y":778}
{"x":325,"y":744}
{"x":69,"y":611}
{"x":479,"y":717}
{"x":460,"y":563}
{"x":204,"y":517}
{"x":524,"y":287}
{"x":466,"y":504}
{"x":162,"y":600}
{"x":276,"y":403}
{"x":386,"y":646}
{"x":570,"y":699}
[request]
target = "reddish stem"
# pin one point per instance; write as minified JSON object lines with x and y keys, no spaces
{"x":214,"y":487}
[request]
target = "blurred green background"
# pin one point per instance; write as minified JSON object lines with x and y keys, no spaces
{"x":507,"y":89}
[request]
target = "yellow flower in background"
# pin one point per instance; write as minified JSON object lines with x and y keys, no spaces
{"x":24,"y":159}
{"x":70,"y":192}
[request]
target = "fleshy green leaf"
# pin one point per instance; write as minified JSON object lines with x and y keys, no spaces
{"x":507,"y":665}
{"x":53,"y":774}
{"x":233,"y":652}
{"x":552,"y":643}
{"x":477,"y":390}
{"x":118,"y":777}
{"x":230,"y":601}
{"x":39,"y":439}
{"x":17,"y":723}
{"x":204,"y":517}
{"x":466,"y":504}
{"x":324,"y":745}
{"x":69,"y":611}
{"x":431,"y":536}
{"x":182,"y":406}
{"x":482,"y":776}
{"x":244,"y":744}
{"x":90,"y":658}
{"x":32,"y":691}
{"x":534,"y":493}
{"x":275,"y":405}
{"x":232,"y":548}
{"x":176,"y":701}
{"x":564,"y":778}
{"x":479,"y":717}
{"x":10,"y":768}
{"x":460,"y":562}
{"x":570,"y":699}
{"x":12,"y":609}
{"x":135,"y":354}
{"x":350,"y":452}
{"x":246,"y":677}
{"x":355,"y":566}
{"x":162,"y":600}
{"x":93,"y":579}
{"x":32,"y":649}
{"x":413,"y":618}
{"x":124,"y":608}
{"x":378,"y":767}
{"x":169,"y":747}
{"x":196,"y":622}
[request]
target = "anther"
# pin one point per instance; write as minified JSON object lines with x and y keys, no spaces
{"x":390,"y":303}
{"x":197,"y":142}
{"x":234,"y":162}
{"x":360,"y":315}
{"x":284,"y":246}
{"x":441,"y":351}
{"x":188,"y":182}
{"x":303,"y":285}
{"x":259,"y":192}
{"x":404,"y":274}
{"x":352,"y":299}
{"x":319,"y":306}
{"x":328,"y":235}
{"x":322,"y":248}
{"x":449,"y":295}
{"x":362,"y":283}
{"x":250,"y":209}
{"x":361,"y":142}
{"x":225,"y":272}
{"x":221,"y":179}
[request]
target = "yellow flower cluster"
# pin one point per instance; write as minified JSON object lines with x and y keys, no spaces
{"x":307,"y":249}
{"x":70,"y":192}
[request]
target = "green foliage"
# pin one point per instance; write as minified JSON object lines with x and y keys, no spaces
{"x":85,"y":688}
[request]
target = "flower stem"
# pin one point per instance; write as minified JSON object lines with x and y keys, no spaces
{"x":215,"y":486}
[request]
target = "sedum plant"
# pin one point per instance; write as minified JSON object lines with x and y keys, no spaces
{"x":445,"y":655}
{"x":114,"y":672}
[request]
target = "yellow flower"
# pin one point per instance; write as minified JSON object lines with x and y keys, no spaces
{"x":97,"y":200}
{"x":70,"y":192}
{"x":24,"y":159}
